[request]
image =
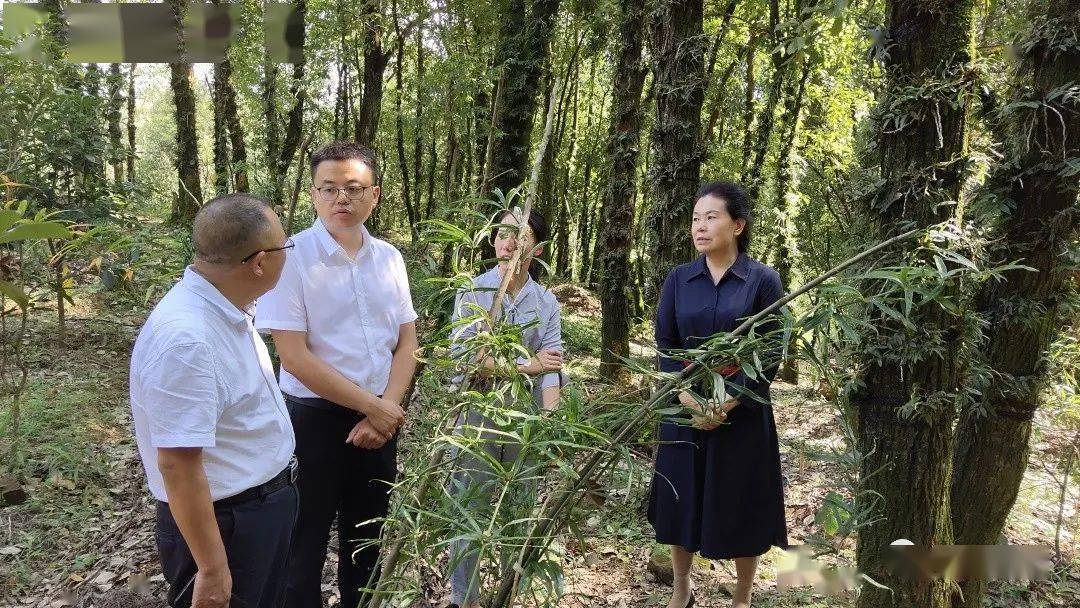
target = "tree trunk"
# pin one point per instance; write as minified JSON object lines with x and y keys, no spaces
{"x":418,"y":124}
{"x":295,"y":125}
{"x":116,"y":145}
{"x":131,"y":124}
{"x":678,"y":51}
{"x":272,"y":124}
{"x":907,"y":458}
{"x":991,"y":441}
{"x":748,"y":102}
{"x":367,"y":123}
{"x":522,"y":52}
{"x":239,"y":166}
{"x":717,"y":96}
{"x":752,"y":174}
{"x":788,"y":131}
{"x":399,"y":131}
{"x":433,"y":159}
{"x":481,"y":118}
{"x":221,"y":131}
{"x":189,"y":190}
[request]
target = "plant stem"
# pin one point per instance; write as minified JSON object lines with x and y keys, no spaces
{"x":547,"y":523}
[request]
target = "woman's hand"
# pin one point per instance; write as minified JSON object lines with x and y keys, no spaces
{"x":544,"y":361}
{"x":710,"y":414}
{"x":550,"y":359}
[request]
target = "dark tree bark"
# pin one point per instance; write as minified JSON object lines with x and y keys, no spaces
{"x":367,"y":122}
{"x":116,"y":101}
{"x":295,"y":126}
{"x":678,"y":53}
{"x":221,"y":131}
{"x":481,"y":118}
{"x":418,"y":123}
{"x":617,"y":225}
{"x":399,"y":131}
{"x":907,"y":457}
{"x":752,"y":174}
{"x":789,"y":129}
{"x":748,"y":102}
{"x":991,"y":447}
{"x":189,"y":190}
{"x":522,"y":52}
{"x":231,"y":112}
{"x":793,"y":102}
{"x":433,"y":159}
{"x":131,"y":124}
{"x":272,"y":120}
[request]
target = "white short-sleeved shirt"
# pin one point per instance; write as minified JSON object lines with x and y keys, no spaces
{"x":352,"y":308}
{"x":201,"y":377}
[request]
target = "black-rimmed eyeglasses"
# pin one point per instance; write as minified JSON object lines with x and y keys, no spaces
{"x":330,"y":194}
{"x":289,"y":244}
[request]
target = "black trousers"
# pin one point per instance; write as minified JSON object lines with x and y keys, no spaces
{"x":342,"y":480}
{"x":256,"y":534}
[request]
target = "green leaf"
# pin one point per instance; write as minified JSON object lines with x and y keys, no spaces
{"x":42,"y":230}
{"x":16,"y":293}
{"x":8,"y":217}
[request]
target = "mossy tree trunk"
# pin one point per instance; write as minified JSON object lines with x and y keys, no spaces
{"x":991,"y":442}
{"x":617,"y":223}
{"x":678,"y":49}
{"x":907,"y":451}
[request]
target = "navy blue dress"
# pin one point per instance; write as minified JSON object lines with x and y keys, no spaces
{"x":718,"y":492}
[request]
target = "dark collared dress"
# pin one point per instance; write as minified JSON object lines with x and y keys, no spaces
{"x":718,"y":492}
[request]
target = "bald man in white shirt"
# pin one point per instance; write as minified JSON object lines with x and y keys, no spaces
{"x":343,"y":323}
{"x":212,"y":428}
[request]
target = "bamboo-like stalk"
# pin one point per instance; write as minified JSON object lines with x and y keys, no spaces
{"x":393,"y":556}
{"x":547,"y":522}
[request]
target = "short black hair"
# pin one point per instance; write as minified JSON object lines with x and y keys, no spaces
{"x":229,"y":227}
{"x":737,"y":202}
{"x":346,"y":150}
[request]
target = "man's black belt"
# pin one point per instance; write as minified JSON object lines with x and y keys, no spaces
{"x":286,"y":477}
{"x":326,"y":405}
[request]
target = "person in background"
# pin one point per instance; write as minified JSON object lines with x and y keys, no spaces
{"x":211,"y":425}
{"x":529,"y":304}
{"x":343,"y":323}
{"x":717,"y":489}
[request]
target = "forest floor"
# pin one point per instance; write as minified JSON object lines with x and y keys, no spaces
{"x":86,"y":531}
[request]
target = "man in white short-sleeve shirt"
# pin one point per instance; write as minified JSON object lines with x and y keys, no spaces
{"x":211,"y":425}
{"x":343,"y":323}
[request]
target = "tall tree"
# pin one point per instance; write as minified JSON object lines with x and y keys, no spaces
{"x":678,"y":62}
{"x":793,"y":103}
{"x":411,"y":206}
{"x":189,"y":187}
{"x":272,"y":122}
{"x":522,"y":55}
{"x":221,"y":130}
{"x":748,"y":100}
{"x":617,"y":224}
{"x":367,"y":121}
{"x":131,"y":123}
{"x":780,"y":61}
{"x":115,"y":81}
{"x":905,"y":401}
{"x":297,"y":35}
{"x":239,"y":167}
{"x":1038,"y":186}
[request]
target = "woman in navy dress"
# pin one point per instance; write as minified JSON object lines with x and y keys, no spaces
{"x":717,"y":489}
